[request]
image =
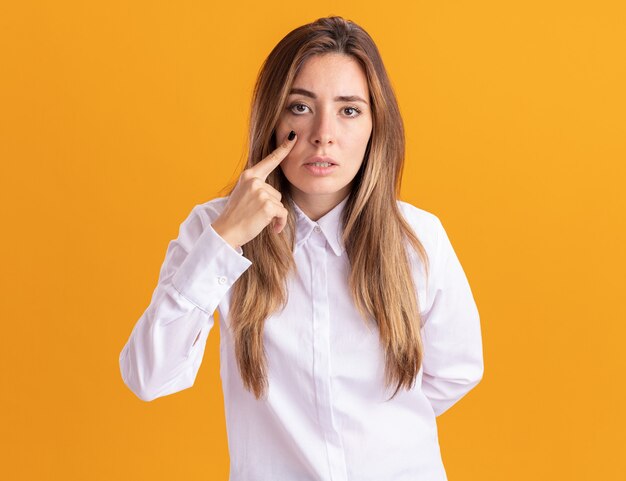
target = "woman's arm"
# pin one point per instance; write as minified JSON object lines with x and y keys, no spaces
{"x":166,"y":346}
{"x":453,"y":356}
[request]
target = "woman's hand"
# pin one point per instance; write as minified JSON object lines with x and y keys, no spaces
{"x":253,"y":204}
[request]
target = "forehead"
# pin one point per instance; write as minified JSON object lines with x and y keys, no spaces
{"x":334,"y":73}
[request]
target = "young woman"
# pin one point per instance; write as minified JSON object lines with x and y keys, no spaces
{"x":347,"y":322}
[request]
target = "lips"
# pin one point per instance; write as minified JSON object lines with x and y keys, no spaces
{"x":312,"y":160}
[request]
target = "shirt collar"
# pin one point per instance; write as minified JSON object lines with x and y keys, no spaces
{"x":331,"y":225}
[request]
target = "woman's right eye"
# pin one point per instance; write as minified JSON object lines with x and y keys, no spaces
{"x":297,"y":108}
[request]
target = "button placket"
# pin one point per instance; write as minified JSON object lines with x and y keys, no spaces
{"x":322,"y":358}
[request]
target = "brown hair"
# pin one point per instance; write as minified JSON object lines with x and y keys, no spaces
{"x":374,"y":229}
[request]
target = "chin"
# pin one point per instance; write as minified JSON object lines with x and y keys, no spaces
{"x":317,"y":188}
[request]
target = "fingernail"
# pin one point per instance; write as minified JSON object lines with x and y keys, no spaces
{"x":292,"y":134}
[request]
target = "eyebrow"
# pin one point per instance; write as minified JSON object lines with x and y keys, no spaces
{"x":340,"y":98}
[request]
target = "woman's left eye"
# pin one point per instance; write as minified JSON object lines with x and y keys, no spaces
{"x":354,"y":109}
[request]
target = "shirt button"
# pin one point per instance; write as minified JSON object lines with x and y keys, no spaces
{"x":221,"y":280}
{"x":317,"y":228}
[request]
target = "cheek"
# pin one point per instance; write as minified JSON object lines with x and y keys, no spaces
{"x":361,"y":140}
{"x":367,"y":135}
{"x":282,"y":130}
{"x":290,"y":162}
{"x":293,"y":122}
{"x":285,"y":124}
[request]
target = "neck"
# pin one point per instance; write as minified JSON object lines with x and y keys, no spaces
{"x":317,"y":206}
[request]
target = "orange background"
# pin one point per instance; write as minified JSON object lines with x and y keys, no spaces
{"x":117,"y":117}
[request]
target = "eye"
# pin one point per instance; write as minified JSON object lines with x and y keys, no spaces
{"x":297,"y":108}
{"x":356,"y":111}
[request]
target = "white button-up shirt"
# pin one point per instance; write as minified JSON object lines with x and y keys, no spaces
{"x":326,"y":416}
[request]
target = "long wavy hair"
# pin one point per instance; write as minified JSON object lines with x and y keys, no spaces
{"x":374,"y":230}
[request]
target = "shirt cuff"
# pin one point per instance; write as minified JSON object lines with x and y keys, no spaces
{"x":210,"y":269}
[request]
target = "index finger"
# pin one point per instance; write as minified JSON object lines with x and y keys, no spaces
{"x":264,"y":167}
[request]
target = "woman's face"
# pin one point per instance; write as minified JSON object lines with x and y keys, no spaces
{"x":328,"y":108}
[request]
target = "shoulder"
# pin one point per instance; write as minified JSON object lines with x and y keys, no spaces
{"x":425,"y":224}
{"x":417,"y":215}
{"x":431,"y":233}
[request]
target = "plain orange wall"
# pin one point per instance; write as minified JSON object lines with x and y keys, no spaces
{"x":117,"y":117}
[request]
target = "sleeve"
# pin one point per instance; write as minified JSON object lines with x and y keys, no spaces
{"x":453,"y":353}
{"x":165,"y":348}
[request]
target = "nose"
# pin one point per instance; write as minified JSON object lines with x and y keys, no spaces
{"x":323,"y":131}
